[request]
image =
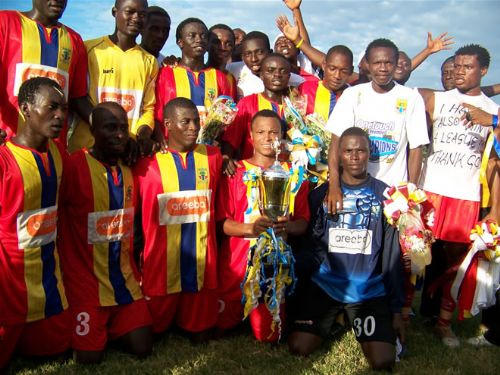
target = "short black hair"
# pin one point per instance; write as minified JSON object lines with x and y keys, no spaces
{"x":154,"y":10}
{"x":257,"y":35}
{"x":274,"y":55}
{"x":178,"y":31}
{"x":381,"y":42}
{"x":448,"y":59}
{"x":342,"y":50}
{"x":355,"y":131}
{"x":482,"y":54}
{"x":222,"y":26}
{"x":31,"y":87}
{"x":178,"y":102}
{"x":265,"y":113}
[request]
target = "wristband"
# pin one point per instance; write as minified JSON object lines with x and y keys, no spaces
{"x":495,"y":121}
{"x":299,"y":43}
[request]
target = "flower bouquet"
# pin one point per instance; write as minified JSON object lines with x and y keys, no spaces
{"x":404,"y":210}
{"x":478,"y":276}
{"x":294,"y":110}
{"x":220,"y":114}
{"x":316,"y":126}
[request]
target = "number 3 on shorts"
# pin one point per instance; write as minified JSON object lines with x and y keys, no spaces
{"x":83,"y":327}
{"x":367,"y":326}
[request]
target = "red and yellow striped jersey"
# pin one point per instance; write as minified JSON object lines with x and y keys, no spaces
{"x":201,"y":87}
{"x":233,"y":201}
{"x":28,"y":49}
{"x":238,"y":133}
{"x":319,"y":99}
{"x":30,"y":283}
{"x":96,"y":232}
{"x":177,"y":192}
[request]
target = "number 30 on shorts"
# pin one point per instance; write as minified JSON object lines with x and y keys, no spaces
{"x":367,"y":326}
{"x":82,"y":328}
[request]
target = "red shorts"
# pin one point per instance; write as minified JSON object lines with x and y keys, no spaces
{"x":453,"y":218}
{"x":41,"y":338}
{"x":231,"y":314}
{"x":94,"y":325}
{"x":193,"y":312}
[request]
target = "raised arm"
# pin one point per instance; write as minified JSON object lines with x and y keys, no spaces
{"x":292,"y":33}
{"x":442,"y":42}
{"x":294,"y":6}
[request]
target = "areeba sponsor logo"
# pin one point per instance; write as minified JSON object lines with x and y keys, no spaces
{"x":41,"y":224}
{"x":127,"y":101}
{"x":196,"y":205}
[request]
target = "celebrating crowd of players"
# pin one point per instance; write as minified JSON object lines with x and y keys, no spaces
{"x":115,"y":224}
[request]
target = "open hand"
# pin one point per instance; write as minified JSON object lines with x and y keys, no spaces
{"x":291,"y":32}
{"x":442,"y":42}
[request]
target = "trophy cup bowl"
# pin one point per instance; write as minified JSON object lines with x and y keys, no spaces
{"x":274,"y":190}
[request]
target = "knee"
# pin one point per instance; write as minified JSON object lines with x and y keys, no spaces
{"x":299,"y":347}
{"x":381,"y":362}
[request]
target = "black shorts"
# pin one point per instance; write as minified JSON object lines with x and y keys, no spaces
{"x":371,"y":320}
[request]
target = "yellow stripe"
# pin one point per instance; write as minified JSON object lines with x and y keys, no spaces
{"x":33,"y":267}
{"x":485,"y":196}
{"x":263,"y":103}
{"x":31,"y":50}
{"x":65,"y":50}
{"x":201,"y":164}
{"x":98,"y":175}
{"x":322,"y":102}
{"x":128,"y":193}
{"x":170,"y":183}
{"x":211,"y":92}
{"x":182,"y":83}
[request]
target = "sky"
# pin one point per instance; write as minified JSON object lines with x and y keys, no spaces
{"x":329,"y":22}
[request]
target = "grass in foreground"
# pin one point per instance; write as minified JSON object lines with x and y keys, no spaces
{"x":173,"y":354}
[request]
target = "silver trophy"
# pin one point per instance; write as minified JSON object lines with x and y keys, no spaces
{"x":274,"y":189}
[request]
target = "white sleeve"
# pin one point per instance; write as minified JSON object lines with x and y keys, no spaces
{"x":416,"y":124}
{"x":342,"y":116}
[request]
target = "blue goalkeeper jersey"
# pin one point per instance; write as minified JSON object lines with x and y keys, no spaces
{"x":358,"y":251}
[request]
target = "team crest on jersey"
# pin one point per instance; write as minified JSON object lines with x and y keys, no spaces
{"x":66,"y":54}
{"x":401,"y":105}
{"x":202,"y":174}
{"x":211,"y":94}
{"x":128,"y":196}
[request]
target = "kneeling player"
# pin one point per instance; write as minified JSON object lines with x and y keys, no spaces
{"x":177,"y":192}
{"x":96,"y":233}
{"x":242,"y":224}
{"x":33,"y":319}
{"x":354,"y":264}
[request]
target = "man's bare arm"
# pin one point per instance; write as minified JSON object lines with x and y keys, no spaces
{"x":414,"y":164}
{"x":442,"y":42}
{"x":294,"y":6}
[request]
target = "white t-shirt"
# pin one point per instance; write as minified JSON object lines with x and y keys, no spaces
{"x":393,"y":120}
{"x":452,"y":168}
{"x":248,"y":83}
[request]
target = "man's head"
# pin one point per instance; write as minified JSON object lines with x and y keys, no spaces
{"x":156,"y":30}
{"x":239,"y":34}
{"x":110,"y":129}
{"x":221,"y":43}
{"x":182,"y":120}
{"x":51,"y":10}
{"x":403,"y":68}
{"x":381,"y":57}
{"x":129,"y":16}
{"x":265,"y":129}
{"x":275,"y":72}
{"x":447,"y":75}
{"x":470,"y":65}
{"x":354,"y":151}
{"x":285,"y":47}
{"x":42,"y":103}
{"x":337,"y":67}
{"x":192,"y":37}
{"x":254,"y":48}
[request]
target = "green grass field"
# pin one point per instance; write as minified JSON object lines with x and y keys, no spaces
{"x":240,"y":354}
